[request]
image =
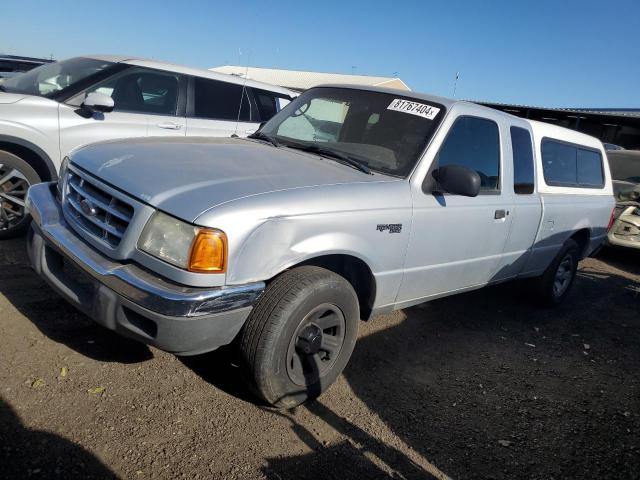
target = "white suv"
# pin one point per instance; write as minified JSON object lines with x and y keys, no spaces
{"x":48,"y":111}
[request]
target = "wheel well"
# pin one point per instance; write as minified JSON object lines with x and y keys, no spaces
{"x":581,"y":237}
{"x":38,"y":163}
{"x":357,"y":273}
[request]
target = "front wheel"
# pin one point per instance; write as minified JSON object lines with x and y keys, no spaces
{"x":300,"y":335}
{"x":16,"y":176}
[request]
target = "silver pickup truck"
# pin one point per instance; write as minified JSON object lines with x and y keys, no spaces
{"x":348,"y":203}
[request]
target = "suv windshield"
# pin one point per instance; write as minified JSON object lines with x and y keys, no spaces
{"x":47,"y":80}
{"x":384,"y":132}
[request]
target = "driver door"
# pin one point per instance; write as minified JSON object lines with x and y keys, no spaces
{"x":457,"y":242}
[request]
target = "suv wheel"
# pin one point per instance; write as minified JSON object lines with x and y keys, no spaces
{"x":300,"y":335}
{"x":554,"y":284}
{"x":16,"y":176}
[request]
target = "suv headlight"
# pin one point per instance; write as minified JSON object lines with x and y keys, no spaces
{"x":186,"y":246}
{"x":64,"y":166}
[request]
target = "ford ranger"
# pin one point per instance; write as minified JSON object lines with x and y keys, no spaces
{"x":348,"y":203}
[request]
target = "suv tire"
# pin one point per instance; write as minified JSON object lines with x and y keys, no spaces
{"x":299,"y":336}
{"x":16,"y":176}
{"x":555,"y":283}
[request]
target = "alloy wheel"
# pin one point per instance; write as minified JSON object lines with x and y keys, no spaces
{"x":13,"y":193}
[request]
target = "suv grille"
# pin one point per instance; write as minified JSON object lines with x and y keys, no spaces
{"x":95,"y":210}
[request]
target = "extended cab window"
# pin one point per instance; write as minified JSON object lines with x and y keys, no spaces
{"x":474,"y":143}
{"x":522,"y":160}
{"x":142,"y":91}
{"x":569,"y":165}
{"x":221,"y":101}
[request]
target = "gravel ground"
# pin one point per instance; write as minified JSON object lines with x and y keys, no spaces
{"x":481,"y":385}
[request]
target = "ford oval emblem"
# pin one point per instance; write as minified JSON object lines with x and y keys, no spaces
{"x":88,"y":208}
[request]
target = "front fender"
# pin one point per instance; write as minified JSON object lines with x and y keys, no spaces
{"x":28,"y":134}
{"x":280,"y":243}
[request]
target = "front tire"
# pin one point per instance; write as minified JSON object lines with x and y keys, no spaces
{"x":556,"y":282}
{"x":300,"y":335}
{"x":16,"y":176}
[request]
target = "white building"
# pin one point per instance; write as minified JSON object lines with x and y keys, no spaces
{"x":299,"y":80}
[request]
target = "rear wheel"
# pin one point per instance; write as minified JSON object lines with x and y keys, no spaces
{"x":554,"y":285}
{"x":300,"y":335}
{"x":16,"y":176}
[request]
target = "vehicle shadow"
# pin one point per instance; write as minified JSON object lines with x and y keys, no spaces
{"x":359,"y":456}
{"x":486,"y":385}
{"x":26,"y":453}
{"x":626,"y":259}
{"x":56,"y":318}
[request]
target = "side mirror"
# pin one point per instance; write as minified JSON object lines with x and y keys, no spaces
{"x":98,"y":102}
{"x":458,"y":180}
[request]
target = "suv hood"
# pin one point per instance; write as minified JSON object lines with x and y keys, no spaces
{"x":6,"y":97}
{"x":187,"y":176}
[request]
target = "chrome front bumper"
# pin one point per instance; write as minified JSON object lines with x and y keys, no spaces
{"x":127,"y":298}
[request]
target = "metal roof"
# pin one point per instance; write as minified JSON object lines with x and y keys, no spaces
{"x":618,"y":112}
{"x":300,"y":80}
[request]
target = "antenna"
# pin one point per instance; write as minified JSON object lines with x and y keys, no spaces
{"x":455,"y":84}
{"x":242,"y":95}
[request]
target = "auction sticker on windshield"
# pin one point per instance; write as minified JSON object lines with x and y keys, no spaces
{"x":414,"y":108}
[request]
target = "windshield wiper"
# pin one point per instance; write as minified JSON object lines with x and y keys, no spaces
{"x":263,"y":136}
{"x":341,"y":157}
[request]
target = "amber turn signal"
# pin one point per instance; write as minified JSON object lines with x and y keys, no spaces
{"x":208,"y":252}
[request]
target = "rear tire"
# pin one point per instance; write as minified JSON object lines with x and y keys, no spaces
{"x":555,"y":283}
{"x":16,"y":176}
{"x":299,"y":336}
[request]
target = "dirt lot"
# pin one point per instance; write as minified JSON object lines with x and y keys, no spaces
{"x":481,"y":385}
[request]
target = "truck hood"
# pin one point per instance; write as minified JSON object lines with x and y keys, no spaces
{"x":187,"y":176}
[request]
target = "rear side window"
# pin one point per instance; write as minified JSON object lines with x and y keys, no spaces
{"x":522,"y":160}
{"x":569,"y":165}
{"x":221,"y":101}
{"x":474,"y":143}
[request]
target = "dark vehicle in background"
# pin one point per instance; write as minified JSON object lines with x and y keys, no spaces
{"x":625,"y":173}
{"x":11,"y":65}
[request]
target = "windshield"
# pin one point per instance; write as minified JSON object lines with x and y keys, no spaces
{"x":47,"y":80}
{"x":385,"y":132}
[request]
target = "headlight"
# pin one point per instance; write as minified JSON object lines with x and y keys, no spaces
{"x":61,"y":176}
{"x":186,"y":246}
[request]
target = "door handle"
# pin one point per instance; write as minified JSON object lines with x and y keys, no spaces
{"x":169,"y":125}
{"x":500,"y":214}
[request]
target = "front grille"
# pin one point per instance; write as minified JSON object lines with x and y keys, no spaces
{"x":95,"y":210}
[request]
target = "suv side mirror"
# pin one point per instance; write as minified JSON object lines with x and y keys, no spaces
{"x":458,"y":180}
{"x":98,"y":102}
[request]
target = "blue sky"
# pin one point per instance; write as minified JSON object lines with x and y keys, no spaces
{"x":543,"y":52}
